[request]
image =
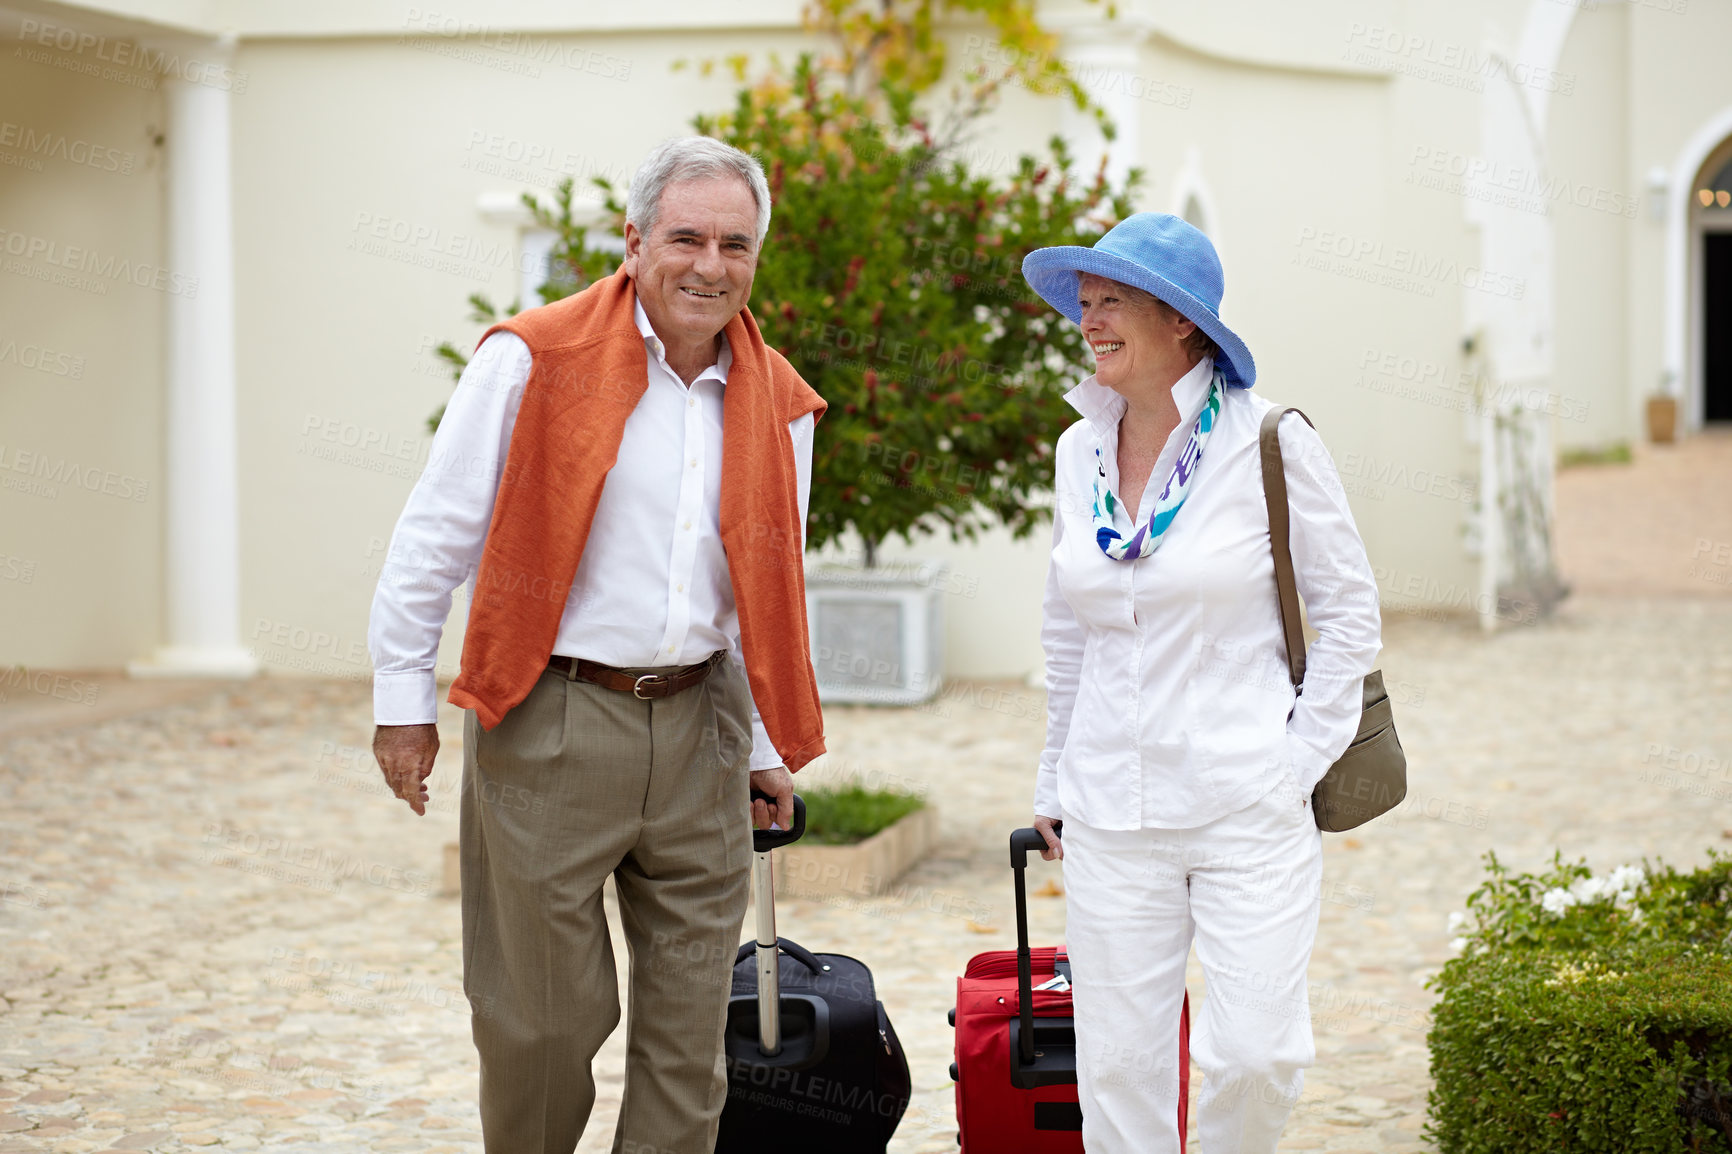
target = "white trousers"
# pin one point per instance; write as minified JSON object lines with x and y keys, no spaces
{"x":1247,"y":888}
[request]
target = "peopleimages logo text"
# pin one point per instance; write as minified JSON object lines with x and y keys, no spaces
{"x":1525,"y":188}
{"x":1428,"y":58}
{"x":59,"y":146}
{"x":104,"y":265}
{"x":62,"y":471}
{"x":533,"y":50}
{"x":40,"y":358}
{"x":1369,"y":253}
{"x":127,"y":54}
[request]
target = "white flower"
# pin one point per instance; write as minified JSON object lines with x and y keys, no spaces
{"x":1457,"y":919}
{"x":1627,"y":879}
{"x":1589,"y":889}
{"x":1555,"y":902}
{"x":1636,"y":914}
{"x":1456,"y":945}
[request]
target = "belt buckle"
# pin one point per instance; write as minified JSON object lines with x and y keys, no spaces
{"x":637,"y":686}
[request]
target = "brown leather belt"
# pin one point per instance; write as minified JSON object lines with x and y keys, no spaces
{"x":644,"y":685}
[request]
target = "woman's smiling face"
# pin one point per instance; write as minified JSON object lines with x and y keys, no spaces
{"x":1135,"y":340}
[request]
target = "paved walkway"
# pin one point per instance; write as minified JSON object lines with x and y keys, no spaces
{"x":216,"y":931}
{"x":1661,"y":524}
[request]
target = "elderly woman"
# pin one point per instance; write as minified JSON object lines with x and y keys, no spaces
{"x":1179,"y":760}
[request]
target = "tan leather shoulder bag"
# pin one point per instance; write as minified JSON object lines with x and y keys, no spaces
{"x":1371,"y":777}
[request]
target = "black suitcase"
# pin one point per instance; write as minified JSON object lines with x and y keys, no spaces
{"x":814,"y":1065}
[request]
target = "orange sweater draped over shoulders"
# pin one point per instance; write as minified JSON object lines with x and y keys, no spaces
{"x":588,"y":372}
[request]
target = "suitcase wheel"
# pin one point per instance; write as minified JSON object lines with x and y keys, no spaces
{"x":952,"y":1015}
{"x":955,"y":1074}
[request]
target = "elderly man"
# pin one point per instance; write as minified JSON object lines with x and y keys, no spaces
{"x":624,"y":476}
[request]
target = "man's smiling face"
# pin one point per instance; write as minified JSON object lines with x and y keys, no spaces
{"x":694,"y":271}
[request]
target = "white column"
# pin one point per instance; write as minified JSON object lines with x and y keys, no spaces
{"x":1491,"y":520}
{"x":202,"y":542}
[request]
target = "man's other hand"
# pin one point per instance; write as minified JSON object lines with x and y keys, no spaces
{"x":405,"y":753}
{"x":779,"y":784}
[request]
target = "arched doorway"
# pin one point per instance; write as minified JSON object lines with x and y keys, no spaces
{"x":1192,"y":199}
{"x":1711,"y":250}
{"x":1689,"y":222}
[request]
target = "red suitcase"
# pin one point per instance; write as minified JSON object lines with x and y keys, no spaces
{"x":1015,"y":1068}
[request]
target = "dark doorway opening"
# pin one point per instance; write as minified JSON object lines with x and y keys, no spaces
{"x":1717,"y":326}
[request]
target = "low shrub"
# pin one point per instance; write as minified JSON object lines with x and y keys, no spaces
{"x":1615,"y":453}
{"x":848,"y":814}
{"x":1587,"y":1014}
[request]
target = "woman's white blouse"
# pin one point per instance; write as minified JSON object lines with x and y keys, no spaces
{"x":1168,"y":698}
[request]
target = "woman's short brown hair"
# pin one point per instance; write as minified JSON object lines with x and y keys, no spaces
{"x":1199,"y":344}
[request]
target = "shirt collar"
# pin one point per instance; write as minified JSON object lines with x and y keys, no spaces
{"x":1103,"y":406}
{"x":653,"y":344}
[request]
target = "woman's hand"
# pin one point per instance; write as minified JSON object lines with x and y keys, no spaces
{"x":1049,"y":827}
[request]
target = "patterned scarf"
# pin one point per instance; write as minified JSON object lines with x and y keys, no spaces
{"x":1147,"y":538}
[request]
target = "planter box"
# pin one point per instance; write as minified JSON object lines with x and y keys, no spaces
{"x":860,"y":870}
{"x":877,"y":634}
{"x":1662,"y":420}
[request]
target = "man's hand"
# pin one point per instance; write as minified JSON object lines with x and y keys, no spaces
{"x":405,"y":753}
{"x":779,"y":784}
{"x":1048,"y":827}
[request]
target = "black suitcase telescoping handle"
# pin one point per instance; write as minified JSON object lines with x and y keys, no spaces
{"x":765,"y":840}
{"x":793,"y":949}
{"x":1021,"y":842}
{"x":764,"y":897}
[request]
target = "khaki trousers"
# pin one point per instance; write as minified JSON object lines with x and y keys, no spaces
{"x":576,"y":783}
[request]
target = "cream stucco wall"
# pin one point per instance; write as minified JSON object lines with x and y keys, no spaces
{"x":1678,"y":83}
{"x":366,"y":135}
{"x":81,"y":390}
{"x":360,"y":165}
{"x":1589,"y":158}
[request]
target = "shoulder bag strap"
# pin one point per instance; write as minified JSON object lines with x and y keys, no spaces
{"x":1275,"y":495}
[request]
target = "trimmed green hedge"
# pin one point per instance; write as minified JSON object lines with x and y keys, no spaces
{"x":1588,"y":1015}
{"x":852,"y":814}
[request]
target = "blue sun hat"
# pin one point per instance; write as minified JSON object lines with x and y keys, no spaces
{"x":1160,"y":254}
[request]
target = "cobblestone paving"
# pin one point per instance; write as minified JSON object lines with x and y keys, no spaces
{"x":216,"y":930}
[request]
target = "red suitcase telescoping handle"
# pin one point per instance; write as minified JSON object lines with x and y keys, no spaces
{"x":1021,"y":842}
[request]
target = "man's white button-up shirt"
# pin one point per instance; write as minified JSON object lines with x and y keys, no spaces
{"x":1168,"y":697}
{"x":652,"y":587}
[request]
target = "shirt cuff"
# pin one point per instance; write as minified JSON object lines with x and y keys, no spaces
{"x":764,"y":755}
{"x":410,"y":698}
{"x":1309,"y":766}
{"x":1046,"y":792}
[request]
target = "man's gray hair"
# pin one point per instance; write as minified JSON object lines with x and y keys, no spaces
{"x":693,"y":158}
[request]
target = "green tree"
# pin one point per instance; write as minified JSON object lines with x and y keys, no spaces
{"x":891,"y":277}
